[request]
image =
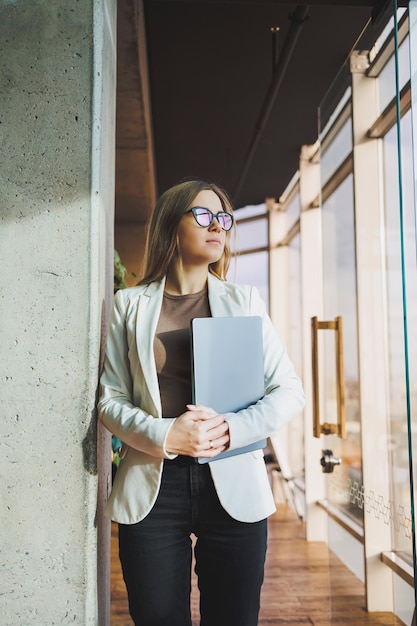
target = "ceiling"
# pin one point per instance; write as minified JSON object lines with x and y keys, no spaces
{"x":206,"y":90}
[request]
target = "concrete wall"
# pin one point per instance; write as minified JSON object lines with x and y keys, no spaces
{"x":57,"y":98}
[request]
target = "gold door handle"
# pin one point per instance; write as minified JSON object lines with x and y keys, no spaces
{"x":339,"y":428}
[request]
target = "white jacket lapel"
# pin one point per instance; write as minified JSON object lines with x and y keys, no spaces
{"x":220,"y":302}
{"x":149,"y":307}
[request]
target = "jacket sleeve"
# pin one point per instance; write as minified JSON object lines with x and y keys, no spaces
{"x":284,"y":396}
{"x":132,"y":424}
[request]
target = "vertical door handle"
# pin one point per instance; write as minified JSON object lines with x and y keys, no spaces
{"x":339,"y":428}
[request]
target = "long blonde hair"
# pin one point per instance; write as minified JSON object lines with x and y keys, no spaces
{"x":162,"y":241}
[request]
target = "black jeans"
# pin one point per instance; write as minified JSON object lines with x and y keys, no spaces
{"x":156,"y":555}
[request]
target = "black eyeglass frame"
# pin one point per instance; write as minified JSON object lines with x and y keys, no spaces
{"x":194,"y":210}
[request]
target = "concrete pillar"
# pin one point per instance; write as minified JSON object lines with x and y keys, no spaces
{"x":57,"y":112}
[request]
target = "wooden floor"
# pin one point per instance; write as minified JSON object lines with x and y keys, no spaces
{"x":296,"y":587}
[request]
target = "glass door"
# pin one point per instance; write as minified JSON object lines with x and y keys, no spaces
{"x":338,"y":418}
{"x":364,"y":345}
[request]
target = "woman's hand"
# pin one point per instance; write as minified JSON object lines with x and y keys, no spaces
{"x":200,"y":431}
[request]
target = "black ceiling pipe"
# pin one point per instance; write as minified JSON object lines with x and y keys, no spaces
{"x":298,"y":17}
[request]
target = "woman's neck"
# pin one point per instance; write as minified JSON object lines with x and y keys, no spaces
{"x":182,"y":282}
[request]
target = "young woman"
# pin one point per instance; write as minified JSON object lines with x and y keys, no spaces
{"x":161,"y":496}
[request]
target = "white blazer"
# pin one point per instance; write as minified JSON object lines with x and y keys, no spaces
{"x":130,"y":405}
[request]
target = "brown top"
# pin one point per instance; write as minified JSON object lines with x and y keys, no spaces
{"x":173,"y":351}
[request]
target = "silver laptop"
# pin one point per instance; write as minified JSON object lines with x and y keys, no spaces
{"x":227,"y":367}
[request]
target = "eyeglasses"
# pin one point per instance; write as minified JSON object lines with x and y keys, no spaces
{"x":204,"y":217}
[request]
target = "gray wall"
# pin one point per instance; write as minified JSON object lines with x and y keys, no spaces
{"x":57,"y":111}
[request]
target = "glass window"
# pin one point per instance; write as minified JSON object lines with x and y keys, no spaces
{"x":386,"y":32}
{"x":293,"y":211}
{"x":386,"y":78}
{"x":337,"y":151}
{"x":251,"y":234}
{"x":252,"y":269}
{"x":340,"y":299}
{"x":250,"y":211}
{"x":394,"y":262}
{"x":295,"y":428}
{"x":294,"y":302}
